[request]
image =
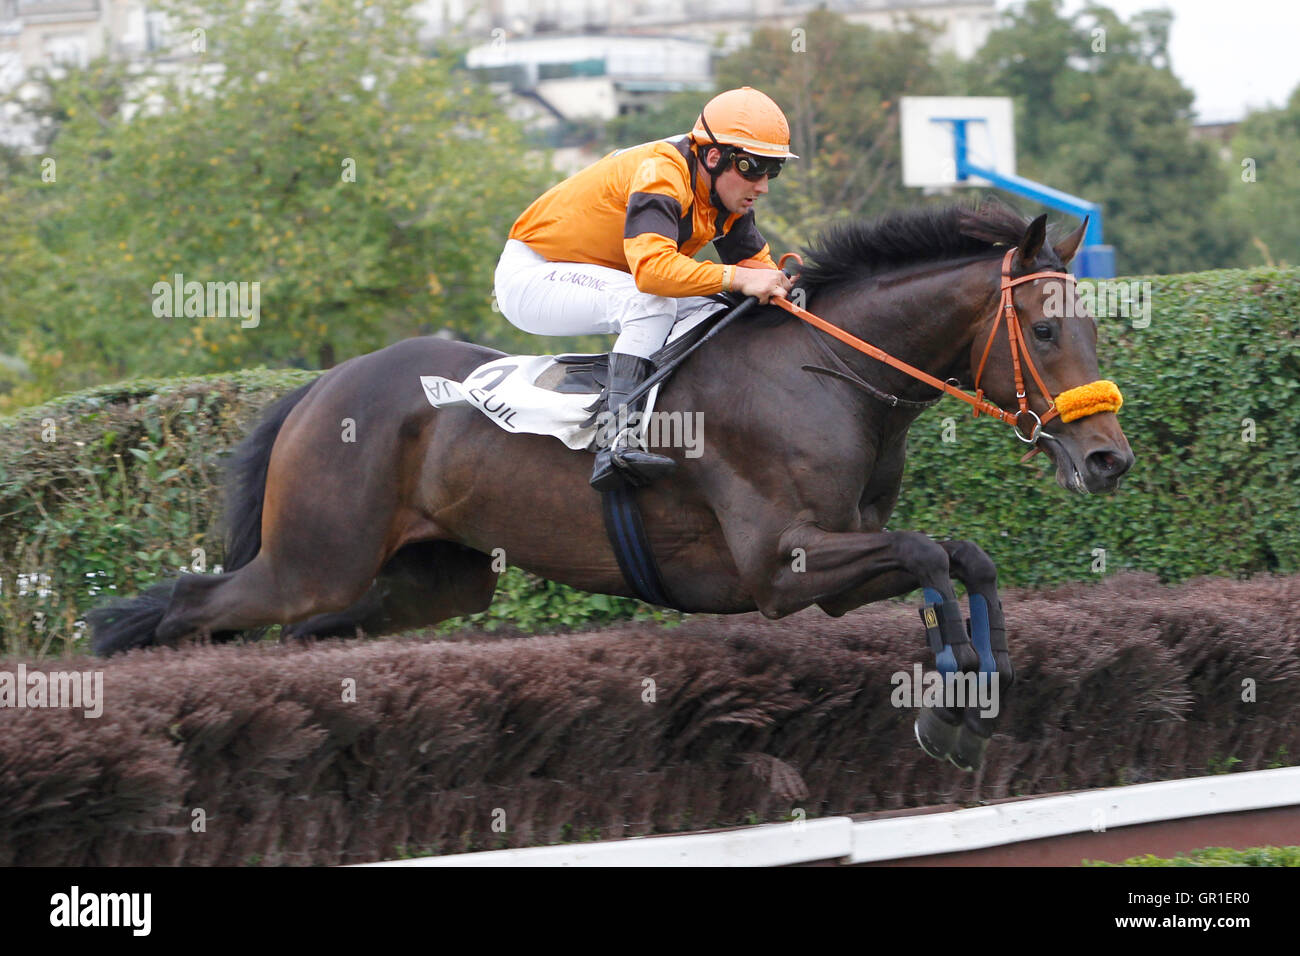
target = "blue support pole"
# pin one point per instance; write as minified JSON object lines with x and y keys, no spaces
{"x":1096,"y":259}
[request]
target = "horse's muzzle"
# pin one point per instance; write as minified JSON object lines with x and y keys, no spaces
{"x":1095,"y":471}
{"x":1105,"y":467}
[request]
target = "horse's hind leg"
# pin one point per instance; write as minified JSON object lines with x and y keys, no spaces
{"x":333,"y":510}
{"x":252,"y":597}
{"x":310,"y":563}
{"x":424,"y":583}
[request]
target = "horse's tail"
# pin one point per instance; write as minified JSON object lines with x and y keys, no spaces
{"x":245,"y":482}
{"x":124,"y":623}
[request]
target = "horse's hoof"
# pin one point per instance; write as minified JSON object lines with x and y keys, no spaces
{"x":968,"y":754}
{"x":937,"y":737}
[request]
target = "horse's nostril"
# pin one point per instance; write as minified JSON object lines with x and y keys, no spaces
{"x":1107,"y":464}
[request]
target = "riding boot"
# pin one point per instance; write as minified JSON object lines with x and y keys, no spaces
{"x":618,"y":461}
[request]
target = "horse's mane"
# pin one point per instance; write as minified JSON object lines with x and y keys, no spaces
{"x":850,"y":251}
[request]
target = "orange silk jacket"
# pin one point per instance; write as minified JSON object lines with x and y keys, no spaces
{"x":643,"y":210}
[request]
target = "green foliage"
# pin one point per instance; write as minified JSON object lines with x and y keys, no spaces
{"x":1221,"y":765}
{"x":1103,"y":117}
{"x":228,"y":165}
{"x":1099,"y":115}
{"x":366,"y":188}
{"x":676,"y":114}
{"x":571,"y":834}
{"x":535,"y":605}
{"x":1221,"y":348}
{"x":1266,"y":195}
{"x":110,"y":489}
{"x":1217,"y":856}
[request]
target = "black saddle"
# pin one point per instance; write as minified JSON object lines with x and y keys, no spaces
{"x":580,"y":374}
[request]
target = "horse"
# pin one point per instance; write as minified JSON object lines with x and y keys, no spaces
{"x":394,"y":526}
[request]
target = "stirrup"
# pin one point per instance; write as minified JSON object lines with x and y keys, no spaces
{"x":622,"y":461}
{"x":620,"y":464}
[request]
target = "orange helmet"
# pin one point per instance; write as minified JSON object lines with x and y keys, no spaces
{"x":746,"y":119}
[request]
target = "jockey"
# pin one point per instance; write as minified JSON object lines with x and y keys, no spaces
{"x":609,"y":249}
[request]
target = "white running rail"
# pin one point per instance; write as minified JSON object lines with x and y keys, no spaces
{"x":845,"y":840}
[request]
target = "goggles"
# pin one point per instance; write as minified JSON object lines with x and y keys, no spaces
{"x":754,"y":168}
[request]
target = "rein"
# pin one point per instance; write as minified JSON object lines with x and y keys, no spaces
{"x":1099,"y":396}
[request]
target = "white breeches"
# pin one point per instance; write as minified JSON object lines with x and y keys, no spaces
{"x":576,"y":298}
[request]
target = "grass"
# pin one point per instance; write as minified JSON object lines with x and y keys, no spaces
{"x":1217,"y":856}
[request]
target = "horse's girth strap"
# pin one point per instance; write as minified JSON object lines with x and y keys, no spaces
{"x":631,"y":544}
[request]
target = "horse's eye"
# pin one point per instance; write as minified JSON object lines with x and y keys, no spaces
{"x":1043,"y":332}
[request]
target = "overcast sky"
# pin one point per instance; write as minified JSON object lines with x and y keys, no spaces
{"x":1233,"y":54}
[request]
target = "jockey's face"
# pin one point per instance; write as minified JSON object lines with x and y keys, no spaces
{"x":736,"y":192}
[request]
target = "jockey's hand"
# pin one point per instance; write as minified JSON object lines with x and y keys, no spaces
{"x":763,"y":284}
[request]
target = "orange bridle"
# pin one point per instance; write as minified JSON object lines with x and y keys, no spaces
{"x":1099,"y":396}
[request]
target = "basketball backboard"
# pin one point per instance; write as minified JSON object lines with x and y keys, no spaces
{"x":929,"y":138}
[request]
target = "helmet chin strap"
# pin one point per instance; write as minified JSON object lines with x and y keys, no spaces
{"x":714,"y":198}
{"x":712,"y":170}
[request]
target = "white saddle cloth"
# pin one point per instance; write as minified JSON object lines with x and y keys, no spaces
{"x":506,"y":390}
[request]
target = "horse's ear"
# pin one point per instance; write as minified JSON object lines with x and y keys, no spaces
{"x":1067,"y":247}
{"x":1032,"y":244}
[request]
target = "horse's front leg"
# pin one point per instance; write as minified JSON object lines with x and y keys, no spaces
{"x":975,"y":569}
{"x":843,"y":570}
{"x":959,"y":734}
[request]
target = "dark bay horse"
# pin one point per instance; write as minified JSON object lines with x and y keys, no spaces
{"x":392,"y":524}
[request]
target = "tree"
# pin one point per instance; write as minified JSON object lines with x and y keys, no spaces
{"x":1264,"y":182}
{"x":365,"y":188}
{"x":1100,"y":114}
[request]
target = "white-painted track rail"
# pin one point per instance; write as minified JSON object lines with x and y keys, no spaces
{"x":1086,"y":817}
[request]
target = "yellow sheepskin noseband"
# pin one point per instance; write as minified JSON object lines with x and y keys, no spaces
{"x":1100,"y":396}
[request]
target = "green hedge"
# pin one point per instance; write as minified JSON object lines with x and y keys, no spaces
{"x":1220,"y":347}
{"x":111,"y":488}
{"x":126,"y":490}
{"x":1217,"y":856}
